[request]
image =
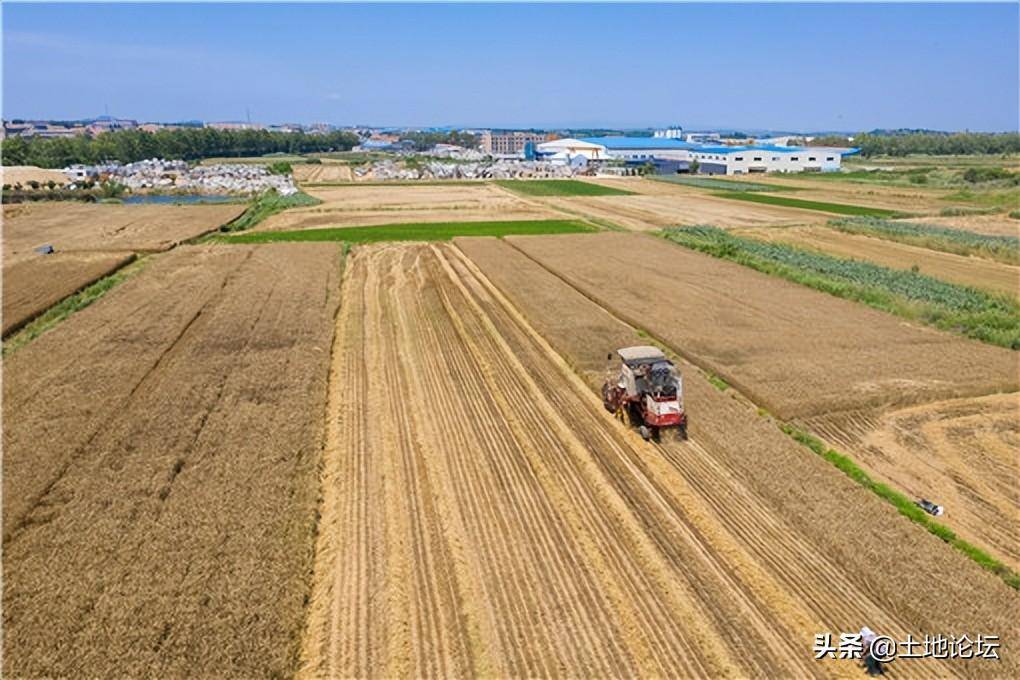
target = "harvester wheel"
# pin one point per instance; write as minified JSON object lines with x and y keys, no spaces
{"x":681,"y":432}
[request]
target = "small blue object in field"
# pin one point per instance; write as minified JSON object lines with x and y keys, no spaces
{"x":45,"y":250}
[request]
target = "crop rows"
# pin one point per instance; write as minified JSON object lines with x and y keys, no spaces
{"x":990,"y":318}
{"x":960,"y":241}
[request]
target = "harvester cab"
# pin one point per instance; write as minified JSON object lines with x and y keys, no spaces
{"x":645,"y":391}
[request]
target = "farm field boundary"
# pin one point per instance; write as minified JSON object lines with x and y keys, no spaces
{"x":266,"y":205}
{"x":559,"y":187}
{"x":1003,"y":248}
{"x":841,"y":461}
{"x":995,"y":277}
{"x":78,"y":301}
{"x":994,"y":319}
{"x":33,"y":286}
{"x":902,"y":503}
{"x":838,"y":208}
{"x":423,"y":231}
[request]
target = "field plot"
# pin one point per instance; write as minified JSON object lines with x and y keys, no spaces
{"x":831,"y":188}
{"x":997,"y":225}
{"x":323,"y":172}
{"x":23,"y":174}
{"x":967,"y":271}
{"x":355,"y":205}
{"x":500,"y":523}
{"x":32,"y":286}
{"x":796,"y":351}
{"x":72,"y":226}
{"x":160,"y":457}
{"x":960,"y":453}
{"x":680,"y":205}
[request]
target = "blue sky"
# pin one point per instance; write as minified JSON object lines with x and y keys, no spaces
{"x":798,"y":67}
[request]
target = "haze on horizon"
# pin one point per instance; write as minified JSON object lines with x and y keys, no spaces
{"x":792,"y":67}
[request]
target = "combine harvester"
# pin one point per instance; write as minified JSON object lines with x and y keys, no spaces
{"x":647,"y":392}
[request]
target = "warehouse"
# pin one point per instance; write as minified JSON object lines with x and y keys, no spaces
{"x":572,"y":147}
{"x":643,"y":148}
{"x":738,"y":160}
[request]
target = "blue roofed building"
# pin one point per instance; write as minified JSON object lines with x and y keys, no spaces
{"x":674,"y":155}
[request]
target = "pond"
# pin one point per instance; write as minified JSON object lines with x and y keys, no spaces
{"x":165,"y":199}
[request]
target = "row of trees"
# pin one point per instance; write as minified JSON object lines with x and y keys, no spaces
{"x":933,"y":143}
{"x":128,"y":146}
{"x":423,"y":141}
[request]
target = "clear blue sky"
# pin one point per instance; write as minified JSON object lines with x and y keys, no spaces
{"x":800,"y":67}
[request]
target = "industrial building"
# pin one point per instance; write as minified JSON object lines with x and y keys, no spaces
{"x":738,"y":160}
{"x":672,"y":132}
{"x":511,"y":143}
{"x":670,"y":154}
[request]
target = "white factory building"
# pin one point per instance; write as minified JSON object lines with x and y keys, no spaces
{"x":675,"y":155}
{"x":739,"y":160}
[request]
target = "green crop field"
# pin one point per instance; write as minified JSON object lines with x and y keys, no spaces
{"x":419,"y":231}
{"x":719,"y":184}
{"x":837,"y":208}
{"x":559,"y":187}
{"x":991,"y":318}
{"x":935,"y":237}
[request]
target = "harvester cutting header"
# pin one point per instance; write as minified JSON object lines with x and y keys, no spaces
{"x":647,"y":392}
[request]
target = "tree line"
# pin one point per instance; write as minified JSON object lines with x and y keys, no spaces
{"x":128,"y":146}
{"x":423,"y":141}
{"x":932,"y":143}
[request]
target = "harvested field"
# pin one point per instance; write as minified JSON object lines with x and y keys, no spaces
{"x":997,"y":225}
{"x":684,"y":206}
{"x":827,"y":188}
{"x":960,"y":454}
{"x":71,"y":226}
{"x":23,"y":174}
{"x":796,"y":351}
{"x":369,"y":205}
{"x":166,"y":526}
{"x":32,"y":286}
{"x":323,"y":172}
{"x":967,"y":271}
{"x":502,"y":524}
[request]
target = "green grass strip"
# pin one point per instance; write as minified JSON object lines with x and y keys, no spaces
{"x":718,"y":383}
{"x":904,"y":505}
{"x":719,"y":184}
{"x":69,"y":305}
{"x":396,"y":183}
{"x":424,"y":231}
{"x":837,"y":208}
{"x":1003,"y":199}
{"x":559,"y":187}
{"x":934,"y":237}
{"x":989,"y":317}
{"x":265,"y":205}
